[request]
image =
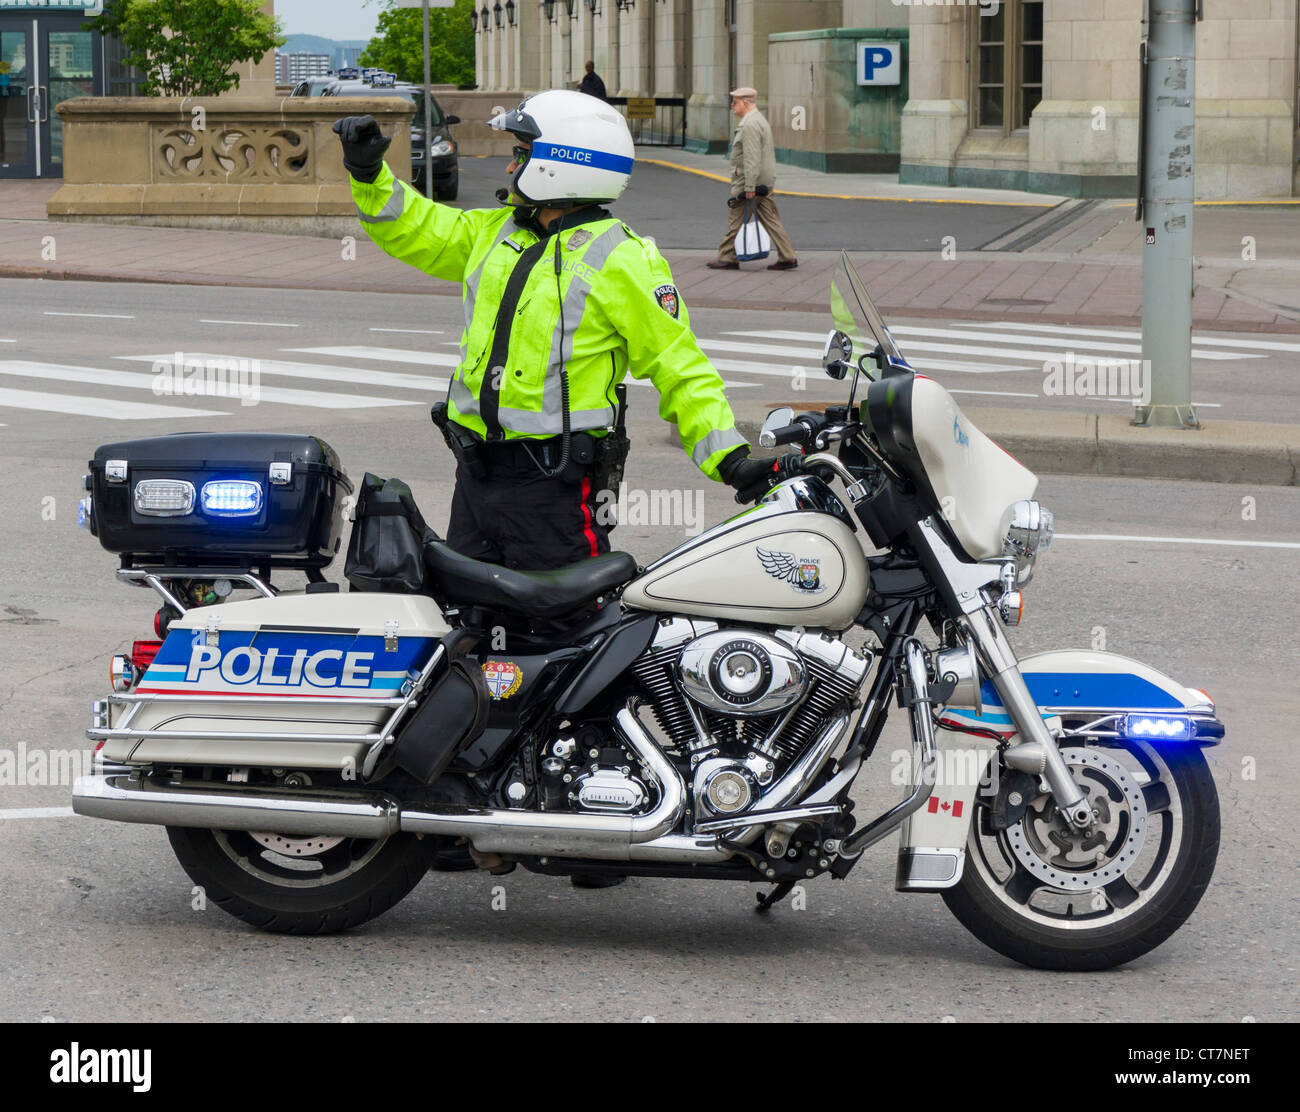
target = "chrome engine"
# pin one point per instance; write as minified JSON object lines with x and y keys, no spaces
{"x":739,"y":706}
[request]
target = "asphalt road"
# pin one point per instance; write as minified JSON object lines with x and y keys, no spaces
{"x":96,"y":921}
{"x":654,"y":200}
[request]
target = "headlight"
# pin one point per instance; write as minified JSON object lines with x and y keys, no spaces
{"x":1026,"y":530}
{"x":445,"y":147}
{"x":1158,"y":727}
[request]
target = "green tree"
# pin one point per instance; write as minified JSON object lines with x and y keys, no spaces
{"x":189,"y":48}
{"x":399,"y":45}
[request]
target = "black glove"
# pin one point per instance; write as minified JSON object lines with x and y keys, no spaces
{"x":363,"y":146}
{"x":739,"y":471}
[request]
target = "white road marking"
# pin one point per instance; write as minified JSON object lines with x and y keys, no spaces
{"x":98,"y":316}
{"x":986,"y":330}
{"x":812,"y":359}
{"x":251,"y":323}
{"x":96,"y":407}
{"x":36,"y":813}
{"x":996,"y":393}
{"x":387,"y":355}
{"x":320,"y":372}
{"x":1197,"y":338}
{"x":412,"y":331}
{"x":3,"y":341}
{"x":1175,"y":540}
{"x":54,"y":372}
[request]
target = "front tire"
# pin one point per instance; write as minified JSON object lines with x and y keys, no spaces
{"x":301,"y":885}
{"x":1052,"y":900}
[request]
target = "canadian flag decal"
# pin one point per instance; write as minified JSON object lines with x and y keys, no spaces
{"x":952,"y":810}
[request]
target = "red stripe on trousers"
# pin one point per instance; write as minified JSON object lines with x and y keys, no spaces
{"x":587,"y":530}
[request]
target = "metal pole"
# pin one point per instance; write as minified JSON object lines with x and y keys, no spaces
{"x":1166,"y":211}
{"x":428,"y":111}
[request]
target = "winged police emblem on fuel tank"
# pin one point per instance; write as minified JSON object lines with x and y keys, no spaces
{"x":802,"y":573}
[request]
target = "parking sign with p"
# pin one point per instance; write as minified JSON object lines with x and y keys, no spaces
{"x":880,"y":63}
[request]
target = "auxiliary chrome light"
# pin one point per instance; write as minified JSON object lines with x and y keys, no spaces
{"x":164,"y":497}
{"x":232,"y":498}
{"x":1026,"y":530}
{"x":1157,"y":727}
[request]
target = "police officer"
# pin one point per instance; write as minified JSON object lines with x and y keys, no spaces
{"x":561,"y":301}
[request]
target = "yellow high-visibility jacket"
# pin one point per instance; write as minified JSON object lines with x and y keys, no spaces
{"x":622,"y":314}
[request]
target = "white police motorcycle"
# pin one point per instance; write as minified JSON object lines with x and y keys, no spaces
{"x":311,"y":751}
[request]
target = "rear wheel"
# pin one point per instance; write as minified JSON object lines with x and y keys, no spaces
{"x":293,"y":884}
{"x":1051,"y":898}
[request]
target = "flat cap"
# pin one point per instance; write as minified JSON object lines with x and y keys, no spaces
{"x":745,"y":93}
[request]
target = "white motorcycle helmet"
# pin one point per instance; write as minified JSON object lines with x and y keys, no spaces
{"x":582,"y":149}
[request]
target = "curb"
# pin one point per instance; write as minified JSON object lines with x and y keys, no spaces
{"x":1242,"y":452}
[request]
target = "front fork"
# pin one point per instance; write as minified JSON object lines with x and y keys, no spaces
{"x":1037,"y":752}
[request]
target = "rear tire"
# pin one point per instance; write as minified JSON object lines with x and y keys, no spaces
{"x":1095,"y":928}
{"x":301,"y":885}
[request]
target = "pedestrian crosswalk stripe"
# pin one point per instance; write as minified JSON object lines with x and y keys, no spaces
{"x":387,"y":355}
{"x":54,"y":372}
{"x":1197,"y":338}
{"x":96,"y":407}
{"x":320,"y":372}
{"x":903,"y":330}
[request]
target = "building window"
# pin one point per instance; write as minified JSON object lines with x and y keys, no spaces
{"x":1008,"y":69}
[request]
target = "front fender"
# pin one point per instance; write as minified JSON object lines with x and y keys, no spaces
{"x":1066,"y":684}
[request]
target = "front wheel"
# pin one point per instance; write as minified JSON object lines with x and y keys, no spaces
{"x":1052,"y":898}
{"x":301,"y":885}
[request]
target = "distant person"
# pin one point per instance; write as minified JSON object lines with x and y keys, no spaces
{"x":591,"y":83}
{"x":753,"y":174}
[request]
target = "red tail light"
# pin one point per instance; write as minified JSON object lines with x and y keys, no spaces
{"x":142,"y":654}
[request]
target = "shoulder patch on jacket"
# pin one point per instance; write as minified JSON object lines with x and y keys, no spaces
{"x":667,"y":298}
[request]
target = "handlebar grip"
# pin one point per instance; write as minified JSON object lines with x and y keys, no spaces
{"x":791,"y":434}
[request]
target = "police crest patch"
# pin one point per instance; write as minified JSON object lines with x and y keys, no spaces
{"x":503,"y":678}
{"x":667,"y":298}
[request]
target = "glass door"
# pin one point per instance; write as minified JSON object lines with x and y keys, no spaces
{"x":71,"y":70}
{"x":17,"y":105}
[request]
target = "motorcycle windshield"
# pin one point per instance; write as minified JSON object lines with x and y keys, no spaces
{"x":856,"y":315}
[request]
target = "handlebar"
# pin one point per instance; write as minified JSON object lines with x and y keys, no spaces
{"x":802,"y":429}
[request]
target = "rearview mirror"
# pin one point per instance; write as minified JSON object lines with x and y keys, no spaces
{"x":776,"y":420}
{"x":838,"y":352}
{"x":453,"y":119}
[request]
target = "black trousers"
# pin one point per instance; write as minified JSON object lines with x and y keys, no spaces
{"x":518,"y":517}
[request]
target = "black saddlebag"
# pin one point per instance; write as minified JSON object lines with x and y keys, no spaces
{"x":452,"y":715}
{"x":386,"y":549}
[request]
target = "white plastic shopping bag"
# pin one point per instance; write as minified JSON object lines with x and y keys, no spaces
{"x":752,"y":241}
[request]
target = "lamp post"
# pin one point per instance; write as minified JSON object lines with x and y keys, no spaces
{"x":510,"y":12}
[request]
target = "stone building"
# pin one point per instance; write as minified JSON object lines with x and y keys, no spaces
{"x":1023,"y":94}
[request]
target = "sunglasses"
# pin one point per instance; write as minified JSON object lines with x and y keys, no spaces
{"x":521,"y":153}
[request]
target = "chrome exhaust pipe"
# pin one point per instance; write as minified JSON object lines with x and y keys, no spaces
{"x":234,"y":807}
{"x":361,"y":815}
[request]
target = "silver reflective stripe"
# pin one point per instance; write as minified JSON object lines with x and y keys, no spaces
{"x":392,"y":207}
{"x":715,"y":442}
{"x":571,"y":313}
{"x":552,"y":424}
{"x":471,"y":283}
{"x":466,"y":403}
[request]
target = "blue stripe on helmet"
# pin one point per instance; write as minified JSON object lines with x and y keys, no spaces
{"x":582,"y":156}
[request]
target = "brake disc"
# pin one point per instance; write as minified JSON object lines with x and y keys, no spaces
{"x":1066,"y":858}
{"x":308,"y":846}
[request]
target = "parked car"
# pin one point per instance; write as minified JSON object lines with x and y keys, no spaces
{"x":446,"y":164}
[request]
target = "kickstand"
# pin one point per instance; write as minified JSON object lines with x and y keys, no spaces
{"x":775,"y":896}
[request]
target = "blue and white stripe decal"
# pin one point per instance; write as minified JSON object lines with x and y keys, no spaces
{"x":1090,"y":691}
{"x":582,"y":156}
{"x":251,"y":662}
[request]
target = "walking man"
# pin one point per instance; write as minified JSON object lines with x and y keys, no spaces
{"x":753,"y":174}
{"x":591,"y":84}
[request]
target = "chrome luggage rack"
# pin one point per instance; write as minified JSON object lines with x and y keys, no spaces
{"x":154,"y":576}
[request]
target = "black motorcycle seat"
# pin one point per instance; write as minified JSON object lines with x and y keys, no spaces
{"x":539,"y":594}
